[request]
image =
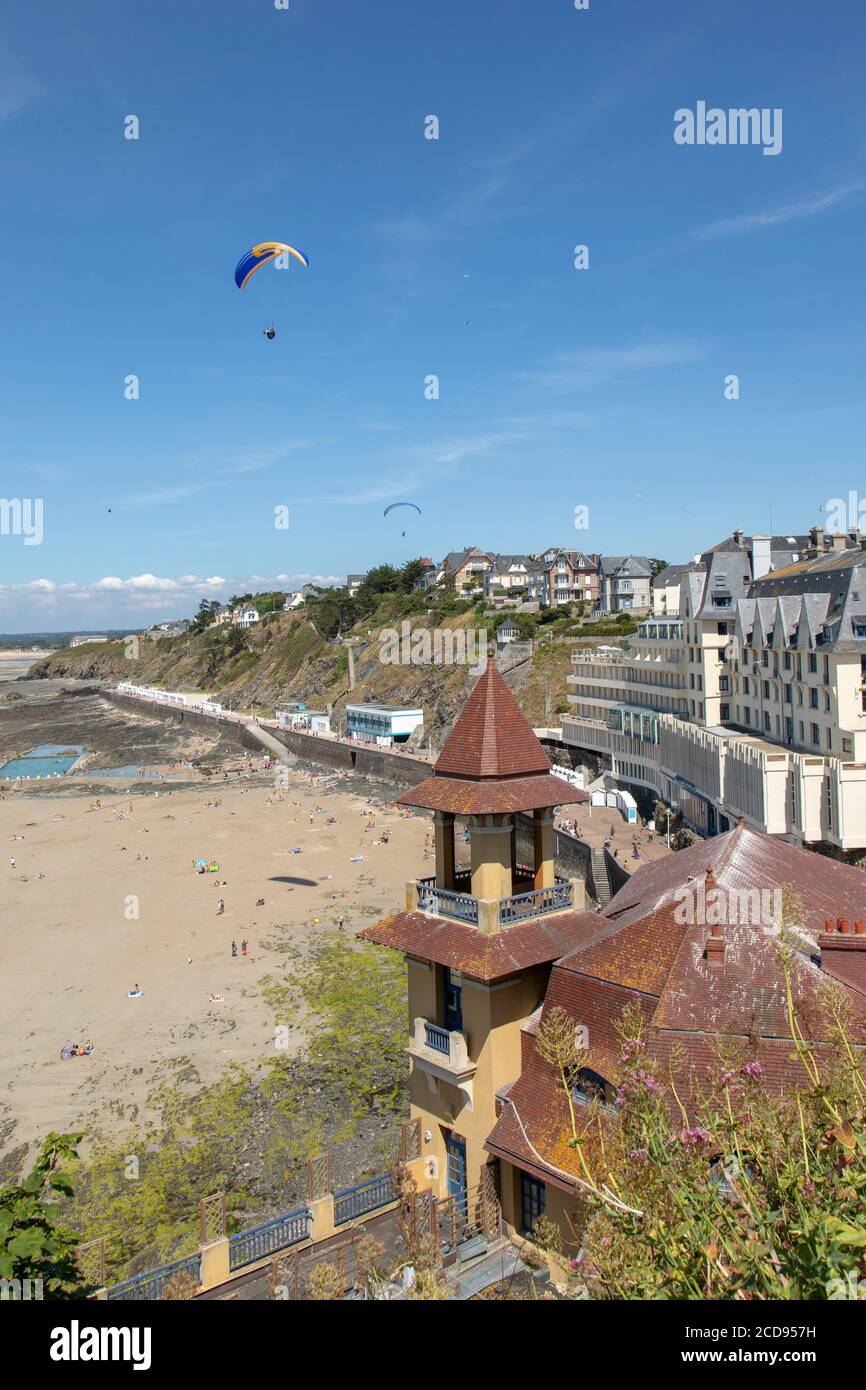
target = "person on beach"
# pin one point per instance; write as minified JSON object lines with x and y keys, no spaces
{"x":244,"y":947}
{"x":221,"y":907}
{"x":341,"y":919}
{"x":234,"y":949}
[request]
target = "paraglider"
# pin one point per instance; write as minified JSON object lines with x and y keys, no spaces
{"x":402,"y":504}
{"x":259,"y":255}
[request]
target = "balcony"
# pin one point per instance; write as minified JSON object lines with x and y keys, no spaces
{"x":443,"y":1055}
{"x":461,"y":906}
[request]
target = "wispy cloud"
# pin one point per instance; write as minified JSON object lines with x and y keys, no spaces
{"x":586,"y":367}
{"x":17,"y":87}
{"x":777,"y":217}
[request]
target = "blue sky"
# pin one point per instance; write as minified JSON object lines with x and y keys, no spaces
{"x":601,"y":388}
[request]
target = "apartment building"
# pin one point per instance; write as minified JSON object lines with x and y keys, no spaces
{"x":769,"y":719}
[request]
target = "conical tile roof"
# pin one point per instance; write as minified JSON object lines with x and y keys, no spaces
{"x":492,"y":761}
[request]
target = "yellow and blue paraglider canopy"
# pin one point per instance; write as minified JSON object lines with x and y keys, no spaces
{"x":260,"y":255}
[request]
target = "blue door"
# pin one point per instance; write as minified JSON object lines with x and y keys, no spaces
{"x":455,"y":1150}
{"x":452,"y":1003}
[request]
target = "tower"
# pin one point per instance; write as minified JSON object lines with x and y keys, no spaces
{"x":480,"y":935}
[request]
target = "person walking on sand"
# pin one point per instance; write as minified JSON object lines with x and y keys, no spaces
{"x":341,"y":919}
{"x":234,"y":949}
{"x":244,"y":947}
{"x":221,"y":907}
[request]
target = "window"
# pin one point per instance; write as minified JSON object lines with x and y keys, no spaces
{"x":826,"y":670}
{"x":531,"y":1202}
{"x":724,"y":683}
{"x":724,"y":711}
{"x":846,"y":745}
{"x":787,"y":661}
{"x":746,"y":685}
{"x":766,"y":689}
{"x":860,"y":629}
{"x":590,"y":1086}
{"x":788,"y":693}
{"x":813,"y":663}
{"x":816,"y":735}
{"x":452,"y":996}
{"x":813,"y":698}
{"x":721,"y":581}
{"x":767,"y":720}
{"x":722,"y":600}
{"x":747,"y":718}
{"x":722,"y":629}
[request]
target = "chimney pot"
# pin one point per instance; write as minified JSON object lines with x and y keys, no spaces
{"x":844,"y":925}
{"x":715,"y":949}
{"x":829,"y":924}
{"x":859,"y":929}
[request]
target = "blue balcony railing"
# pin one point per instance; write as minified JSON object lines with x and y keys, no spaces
{"x":437,"y":1038}
{"x":154,"y":1283}
{"x":444,"y":902}
{"x":535,"y":903}
{"x":351,"y":1202}
{"x":270,"y":1236}
{"x":463,"y":907}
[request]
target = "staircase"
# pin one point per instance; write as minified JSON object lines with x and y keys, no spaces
{"x":600,"y":877}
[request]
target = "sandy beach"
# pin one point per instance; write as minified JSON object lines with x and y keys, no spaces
{"x":99,"y":899}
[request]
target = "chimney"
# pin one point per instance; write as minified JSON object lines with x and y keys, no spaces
{"x":739,"y":537}
{"x":843,"y":952}
{"x":714,"y":951}
{"x":816,"y":536}
{"x":761,"y":556}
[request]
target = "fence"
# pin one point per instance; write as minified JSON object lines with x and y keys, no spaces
{"x":352,"y":1202}
{"x":312,"y":1228}
{"x":154,"y":1283}
{"x":259,"y":1241}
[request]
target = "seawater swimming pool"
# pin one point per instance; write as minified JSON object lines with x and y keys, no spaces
{"x":48,"y":760}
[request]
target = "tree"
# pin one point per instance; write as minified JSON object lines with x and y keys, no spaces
{"x":33,"y":1243}
{"x":656,"y":566}
{"x":410,"y":574}
{"x":207,"y":611}
{"x":332,"y":611}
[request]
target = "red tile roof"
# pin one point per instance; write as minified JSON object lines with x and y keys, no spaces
{"x":463,"y":947}
{"x":642,"y":949}
{"x":492,"y":736}
{"x":492,"y":760}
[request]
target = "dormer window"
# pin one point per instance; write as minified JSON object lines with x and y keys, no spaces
{"x":589,"y":1086}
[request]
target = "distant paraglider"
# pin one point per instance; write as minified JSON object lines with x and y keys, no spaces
{"x":394,"y":505}
{"x":270,"y":332}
